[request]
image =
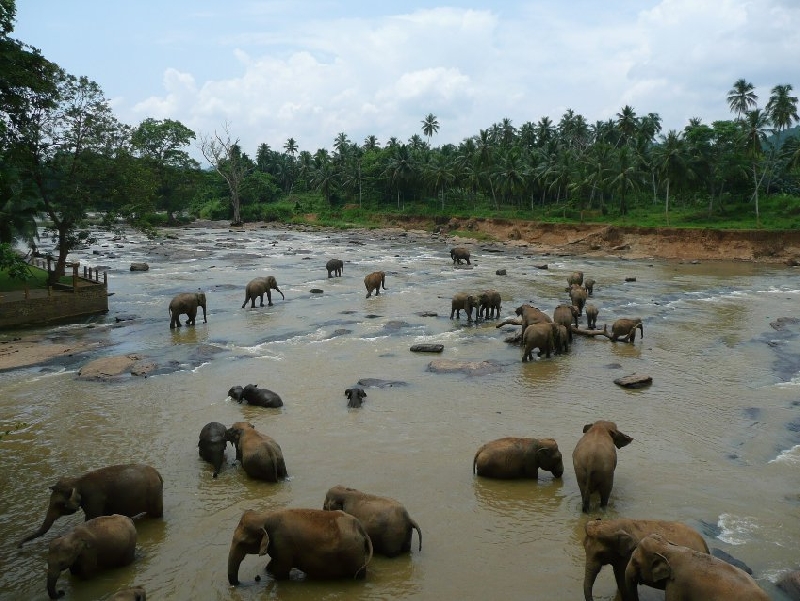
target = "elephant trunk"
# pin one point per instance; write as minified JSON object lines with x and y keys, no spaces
{"x":52,"y":578}
{"x":203,"y":306}
{"x":48,"y":521}
{"x":235,"y":558}
{"x":590,"y":575}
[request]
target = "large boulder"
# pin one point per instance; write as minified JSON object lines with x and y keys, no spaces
{"x":112,"y":368}
{"x":139,"y":267}
{"x":471,"y":368}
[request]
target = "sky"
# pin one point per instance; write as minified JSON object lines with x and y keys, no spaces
{"x":266,"y":71}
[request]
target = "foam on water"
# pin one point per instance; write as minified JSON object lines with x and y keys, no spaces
{"x":789,"y":456}
{"x":735,"y":530}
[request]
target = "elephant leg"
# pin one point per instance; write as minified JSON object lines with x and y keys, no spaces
{"x":269,"y":299}
{"x":605,"y":490}
{"x":279,"y":570}
{"x":191,"y":315}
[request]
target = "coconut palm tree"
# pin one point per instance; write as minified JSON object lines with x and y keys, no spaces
{"x":669,"y":160}
{"x":430,"y":126}
{"x":742,"y":98}
{"x":755,"y":135}
{"x":371,"y":143}
{"x":782,"y":107}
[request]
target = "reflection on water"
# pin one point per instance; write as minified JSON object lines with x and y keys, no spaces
{"x":715,"y":436}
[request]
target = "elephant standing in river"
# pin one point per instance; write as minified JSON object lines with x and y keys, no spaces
{"x":128,"y":489}
{"x":595,"y":459}
{"x":529,"y":315}
{"x":104,"y":542}
{"x":577,"y":296}
{"x":465,"y":301}
{"x":624,"y":329}
{"x":574,"y":279}
{"x":385,"y":520}
{"x":459,"y":254}
{"x":257,"y":287}
{"x":537,"y":335}
{"x":212,"y":445}
{"x":591,"y":316}
{"x":489,"y":302}
{"x":514,"y":457}
{"x":686,"y":574}
{"x":561,"y":338}
{"x":589,"y":285}
{"x":374,"y":281}
{"x":612,"y":542}
{"x":260,"y":455}
{"x":334,"y":266}
{"x":565,"y":315}
{"x":322,"y":544}
{"x":187,"y":303}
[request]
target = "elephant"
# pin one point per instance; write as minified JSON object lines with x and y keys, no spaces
{"x":262,"y":397}
{"x":489,"y":302}
{"x":260,"y":455}
{"x":386,"y":521}
{"x":133,"y":593}
{"x":186,"y":302}
{"x":334,"y":266}
{"x":591,"y":316}
{"x":589,"y":285}
{"x":107,"y":541}
{"x":257,"y":287}
{"x":686,"y":574}
{"x":374,"y":281}
{"x":561,"y":338}
{"x":513,"y":457}
{"x":322,"y":544}
{"x":355,"y":397}
{"x":128,"y":489}
{"x":624,"y":329}
{"x":577,"y":296}
{"x":236,"y":393}
{"x":537,"y":335}
{"x":565,"y":315}
{"x":529,"y":315}
{"x":465,"y":301}
{"x":459,"y":254}
{"x":613,"y":541}
{"x":595,"y":459}
{"x":574,"y":279}
{"x":212,"y":444}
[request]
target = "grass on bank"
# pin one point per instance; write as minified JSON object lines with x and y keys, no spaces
{"x":36,"y":281}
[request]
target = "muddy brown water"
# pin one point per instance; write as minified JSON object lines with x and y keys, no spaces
{"x":716,"y":436}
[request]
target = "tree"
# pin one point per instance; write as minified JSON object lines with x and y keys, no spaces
{"x":225,"y":156}
{"x":670,"y":162}
{"x":290,"y":147}
{"x":755,"y":135}
{"x":742,"y":98}
{"x":782,"y":107}
{"x":430,"y":126}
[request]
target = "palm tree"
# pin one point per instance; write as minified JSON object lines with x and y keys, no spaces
{"x":755,"y":135}
{"x":742,"y":98}
{"x":670,"y":161}
{"x":627,"y":122}
{"x":290,"y":147}
{"x":782,"y":107}
{"x":430,"y":126}
{"x":371,"y":143}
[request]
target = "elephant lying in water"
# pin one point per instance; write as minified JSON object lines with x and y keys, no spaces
{"x":257,"y":287}
{"x":261,"y":397}
{"x":128,"y":489}
{"x":186,"y":302}
{"x":104,"y":542}
{"x":513,"y":457}
{"x":595,"y":459}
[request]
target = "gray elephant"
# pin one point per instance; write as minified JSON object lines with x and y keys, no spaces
{"x":459,"y":254}
{"x":104,"y":542}
{"x":322,"y":544}
{"x":612,"y":542}
{"x":537,"y":335}
{"x":212,"y":445}
{"x":133,"y":593}
{"x":260,"y":455}
{"x":334,"y":266}
{"x":465,"y":301}
{"x":574,"y":279}
{"x":236,"y":393}
{"x":513,"y":457}
{"x":595,"y":459}
{"x":355,"y":397}
{"x":566,"y":315}
{"x":624,"y":329}
{"x":529,"y":315}
{"x":577,"y":296}
{"x":257,"y":287}
{"x":187,"y":303}
{"x":686,"y":574}
{"x":591,"y":315}
{"x":489,"y":302}
{"x":374,"y":281}
{"x":589,"y":285}
{"x":261,"y":397}
{"x":385,"y":520}
{"x":561,"y":338}
{"x":128,"y":489}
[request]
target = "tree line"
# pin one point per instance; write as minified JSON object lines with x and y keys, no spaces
{"x":66,"y":157}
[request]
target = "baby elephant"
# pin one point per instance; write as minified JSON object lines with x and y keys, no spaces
{"x":355,"y":397}
{"x":334,"y":266}
{"x":374,"y":281}
{"x":518,"y":458}
{"x":624,"y":329}
{"x":212,"y":444}
{"x":105,"y":542}
{"x":262,"y":397}
{"x":386,"y":521}
{"x":134,"y":593}
{"x":236,"y":393}
{"x":260,"y":455}
{"x":595,"y":459}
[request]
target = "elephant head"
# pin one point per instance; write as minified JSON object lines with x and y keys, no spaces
{"x":65,"y":499}
{"x":549,"y":458}
{"x":355,"y":397}
{"x":648,"y":565}
{"x":249,"y":538}
{"x":63,"y":553}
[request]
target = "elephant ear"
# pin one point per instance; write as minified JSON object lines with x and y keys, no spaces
{"x":660,"y":568}
{"x":626,"y":544}
{"x":620,"y":439}
{"x":587,"y":427}
{"x":262,"y":549}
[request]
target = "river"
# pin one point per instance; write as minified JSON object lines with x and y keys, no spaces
{"x":716,"y":435}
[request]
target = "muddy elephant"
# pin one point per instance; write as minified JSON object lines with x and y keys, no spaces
{"x":624,"y":329}
{"x":489,"y":302}
{"x":574,"y":279}
{"x":577,"y":296}
{"x":260,"y":455}
{"x":212,"y":444}
{"x":537,"y":335}
{"x":686,"y":574}
{"x":465,"y":301}
{"x":566,"y":315}
{"x":459,"y":254}
{"x":133,"y":593}
{"x":591,"y":316}
{"x":355,"y":397}
{"x":334,"y":266}
{"x":611,"y":542}
{"x":257,"y":287}
{"x":595,"y":459}
{"x":107,"y":541}
{"x":529,"y":315}
{"x":374,"y":281}
{"x":261,"y":397}
{"x":385,"y":520}
{"x":322,"y":544}
{"x":561,"y":338}
{"x":513,"y":457}
{"x":186,"y":303}
{"x":128,"y":489}
{"x":589,"y":283}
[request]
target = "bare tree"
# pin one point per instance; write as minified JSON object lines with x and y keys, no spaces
{"x":225,"y":155}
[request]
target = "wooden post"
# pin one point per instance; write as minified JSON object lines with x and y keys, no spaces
{"x":74,"y":278}
{"x":105,"y":278}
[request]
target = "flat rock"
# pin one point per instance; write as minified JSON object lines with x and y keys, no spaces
{"x":111,"y":368}
{"x":378,"y":383}
{"x":472,"y":368}
{"x":634,"y":381}
{"x":427,"y":348}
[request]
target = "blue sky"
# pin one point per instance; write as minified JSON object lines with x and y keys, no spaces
{"x":311,"y":69}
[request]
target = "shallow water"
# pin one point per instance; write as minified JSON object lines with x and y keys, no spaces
{"x":717,"y":435}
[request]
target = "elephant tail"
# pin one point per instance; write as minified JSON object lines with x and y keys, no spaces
{"x":416,"y":527}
